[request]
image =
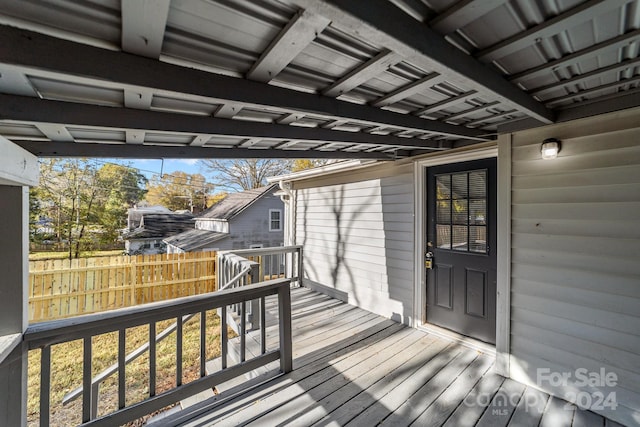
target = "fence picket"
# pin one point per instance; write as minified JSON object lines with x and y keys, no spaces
{"x":63,"y":288}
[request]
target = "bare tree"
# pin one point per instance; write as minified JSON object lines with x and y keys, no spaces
{"x":244,"y":174}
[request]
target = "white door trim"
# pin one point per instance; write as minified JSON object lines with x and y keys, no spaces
{"x":504,"y":231}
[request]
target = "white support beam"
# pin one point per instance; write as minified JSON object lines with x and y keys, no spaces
{"x":375,"y":66}
{"x":16,"y":83}
{"x":491,"y":117}
{"x":593,"y":51}
{"x":28,"y":109}
{"x":334,"y":123}
{"x":462,"y":13}
{"x":140,"y":99}
{"x":567,"y":20}
{"x":293,"y":39}
{"x":250,"y":142}
{"x":19,"y":167}
{"x":143,"y":26}
{"x":383,"y":24}
{"x":227,"y":111}
{"x":34,"y":50}
{"x":408,"y":90}
{"x":57,"y":133}
{"x":286,"y":144}
{"x":446,"y":103}
{"x":289,"y":118}
{"x":200,"y":140}
{"x":414,"y":8}
{"x":470,"y":110}
{"x":135,"y":136}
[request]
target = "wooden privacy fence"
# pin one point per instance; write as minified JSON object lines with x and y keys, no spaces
{"x":64,"y":288}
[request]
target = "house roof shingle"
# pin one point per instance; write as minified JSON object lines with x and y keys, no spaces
{"x":235,"y":203}
{"x":161,"y":225}
{"x":192,"y":240}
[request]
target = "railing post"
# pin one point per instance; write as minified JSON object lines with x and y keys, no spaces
{"x":255,"y":315}
{"x":286,"y":344}
{"x":300,"y":267}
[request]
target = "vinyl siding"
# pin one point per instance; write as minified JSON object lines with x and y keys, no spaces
{"x":251,"y":226}
{"x":575,"y":270}
{"x":358,"y":237}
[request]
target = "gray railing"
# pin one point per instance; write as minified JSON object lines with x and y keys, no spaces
{"x":259,"y":264}
{"x":238,"y":268}
{"x":45,"y":335}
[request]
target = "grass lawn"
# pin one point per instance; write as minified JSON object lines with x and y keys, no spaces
{"x":38,"y":256}
{"x":66,"y":369}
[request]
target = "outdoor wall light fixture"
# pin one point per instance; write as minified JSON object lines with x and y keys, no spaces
{"x":550,"y":148}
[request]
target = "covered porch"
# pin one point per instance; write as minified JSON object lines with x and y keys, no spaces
{"x":352,"y":367}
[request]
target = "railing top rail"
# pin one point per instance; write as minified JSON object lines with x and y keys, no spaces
{"x":56,"y":331}
{"x":262,"y":251}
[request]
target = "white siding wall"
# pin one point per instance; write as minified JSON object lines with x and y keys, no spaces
{"x":358,"y":239}
{"x":576,"y":261}
{"x":212,"y":225}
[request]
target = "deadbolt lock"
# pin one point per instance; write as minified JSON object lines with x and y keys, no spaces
{"x":428,"y":260}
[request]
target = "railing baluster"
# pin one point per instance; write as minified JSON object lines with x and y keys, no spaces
{"x":121,"y":368}
{"x":45,"y":385}
{"x":86,"y":381}
{"x":263,"y":326}
{"x":243,"y":330}
{"x":224,"y":336}
{"x":300,"y":267}
{"x":179,"y":351}
{"x":203,"y":342}
{"x":286,"y":346}
{"x":152,"y":359}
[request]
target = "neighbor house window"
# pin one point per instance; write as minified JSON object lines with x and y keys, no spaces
{"x":275,"y":220}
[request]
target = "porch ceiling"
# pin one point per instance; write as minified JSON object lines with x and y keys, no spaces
{"x":305,"y":78}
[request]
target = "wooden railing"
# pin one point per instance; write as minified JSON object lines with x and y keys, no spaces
{"x":64,"y":288}
{"x":45,"y":335}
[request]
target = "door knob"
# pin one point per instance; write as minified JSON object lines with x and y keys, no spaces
{"x":428,"y":260}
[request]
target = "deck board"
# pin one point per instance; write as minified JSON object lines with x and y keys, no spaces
{"x":352,"y":367}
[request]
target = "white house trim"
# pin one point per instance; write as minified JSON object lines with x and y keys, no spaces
{"x":503,"y":302}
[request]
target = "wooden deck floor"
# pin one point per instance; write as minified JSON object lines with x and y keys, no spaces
{"x":354,"y":368}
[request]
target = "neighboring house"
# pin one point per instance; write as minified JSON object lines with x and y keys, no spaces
{"x":134,"y":215}
{"x":152,"y":228}
{"x":250,"y":219}
{"x":535,"y":258}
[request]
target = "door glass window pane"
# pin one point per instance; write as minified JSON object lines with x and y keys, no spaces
{"x":443,"y":212}
{"x":461,"y":211}
{"x":478,"y":239}
{"x":460,"y":238}
{"x":459,"y":186}
{"x":478,"y":184}
{"x":443,"y":187}
{"x":478,"y":212}
{"x":443,"y":240}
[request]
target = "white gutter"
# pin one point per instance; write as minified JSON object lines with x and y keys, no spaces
{"x":324,"y":170}
{"x":290,"y":229}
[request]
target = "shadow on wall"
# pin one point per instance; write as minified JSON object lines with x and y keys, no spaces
{"x":360,"y":242}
